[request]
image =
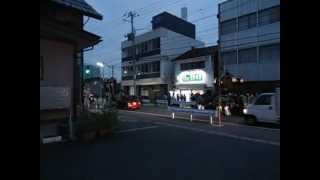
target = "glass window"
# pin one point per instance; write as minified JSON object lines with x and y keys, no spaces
{"x":269,"y":53}
{"x":192,"y":65}
{"x":149,"y":45}
{"x":228,"y":26}
{"x":156,"y":43}
{"x":248,"y":55}
{"x":269,"y":15}
{"x":247,"y":21}
{"x":263,"y":100}
{"x":229,"y":57}
{"x":157,"y":69}
{"x":145,"y":47}
{"x":130,"y":51}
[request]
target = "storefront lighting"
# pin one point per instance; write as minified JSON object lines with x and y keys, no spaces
{"x":234,"y":79}
{"x":100,"y":64}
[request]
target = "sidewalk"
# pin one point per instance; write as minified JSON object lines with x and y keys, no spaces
{"x":162,"y":110}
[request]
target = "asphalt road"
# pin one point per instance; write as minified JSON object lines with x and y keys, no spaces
{"x":148,"y":147}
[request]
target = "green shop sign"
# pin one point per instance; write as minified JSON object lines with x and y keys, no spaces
{"x":192,"y":77}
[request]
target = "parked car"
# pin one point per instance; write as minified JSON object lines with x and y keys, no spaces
{"x":265,"y":108}
{"x":133,"y":103}
{"x":129,"y":103}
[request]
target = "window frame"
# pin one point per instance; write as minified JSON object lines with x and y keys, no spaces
{"x":227,"y":53}
{"x":247,"y":49}
{"x":272,"y":18}
{"x":223,"y":28}
{"x":247,"y":19}
{"x":262,"y":60}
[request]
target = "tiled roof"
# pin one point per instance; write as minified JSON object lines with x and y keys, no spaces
{"x":80,"y":5}
{"x":198,"y":52}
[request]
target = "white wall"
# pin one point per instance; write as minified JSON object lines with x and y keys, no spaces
{"x":172,"y":44}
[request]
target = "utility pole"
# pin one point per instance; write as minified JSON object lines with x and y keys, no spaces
{"x":219,"y":108}
{"x":131,"y":36}
{"x":112,"y":66}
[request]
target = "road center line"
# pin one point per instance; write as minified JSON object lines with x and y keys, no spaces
{"x":221,"y":134}
{"x":136,"y":129}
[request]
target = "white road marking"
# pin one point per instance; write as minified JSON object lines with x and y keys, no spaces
{"x":136,"y":129}
{"x":222,"y":134}
{"x":184,"y":118}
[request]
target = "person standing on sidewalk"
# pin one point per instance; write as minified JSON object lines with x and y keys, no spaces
{"x":168,"y":98}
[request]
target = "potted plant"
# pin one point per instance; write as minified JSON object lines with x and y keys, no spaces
{"x":106,"y":122}
{"x":86,"y":127}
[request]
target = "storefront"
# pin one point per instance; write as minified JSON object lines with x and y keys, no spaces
{"x":191,"y":82}
{"x":194,"y":73}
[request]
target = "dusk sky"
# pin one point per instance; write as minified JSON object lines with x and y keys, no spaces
{"x":112,"y":28}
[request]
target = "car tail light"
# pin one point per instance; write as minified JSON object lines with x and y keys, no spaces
{"x":129,"y":105}
{"x":134,"y":103}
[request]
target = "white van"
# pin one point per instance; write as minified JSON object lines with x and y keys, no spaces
{"x":265,"y":108}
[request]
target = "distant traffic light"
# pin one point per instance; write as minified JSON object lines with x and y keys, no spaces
{"x":87,"y":71}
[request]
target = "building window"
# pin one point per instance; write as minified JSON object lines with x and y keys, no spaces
{"x":270,"y":15}
{"x":247,"y":21}
{"x":192,"y":65}
{"x":248,"y":55}
{"x":228,"y":26}
{"x":41,"y":67}
{"x":149,"y":44}
{"x":155,"y":66}
{"x":269,"y":53}
{"x":156,"y":43}
{"x":141,"y":48}
{"x":229,"y":57}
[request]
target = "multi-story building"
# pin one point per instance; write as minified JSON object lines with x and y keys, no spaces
{"x":152,"y":53}
{"x":91,"y":71}
{"x":249,"y":38}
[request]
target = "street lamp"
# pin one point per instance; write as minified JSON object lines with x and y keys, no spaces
{"x":101,"y":65}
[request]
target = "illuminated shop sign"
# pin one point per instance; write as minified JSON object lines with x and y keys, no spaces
{"x":192,"y":77}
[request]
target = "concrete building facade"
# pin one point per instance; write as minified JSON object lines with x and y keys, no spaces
{"x":154,"y":51}
{"x":249,"y":38}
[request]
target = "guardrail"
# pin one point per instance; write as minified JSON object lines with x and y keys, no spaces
{"x":210,"y":113}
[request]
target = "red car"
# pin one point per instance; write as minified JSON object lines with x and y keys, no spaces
{"x":133,"y":103}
